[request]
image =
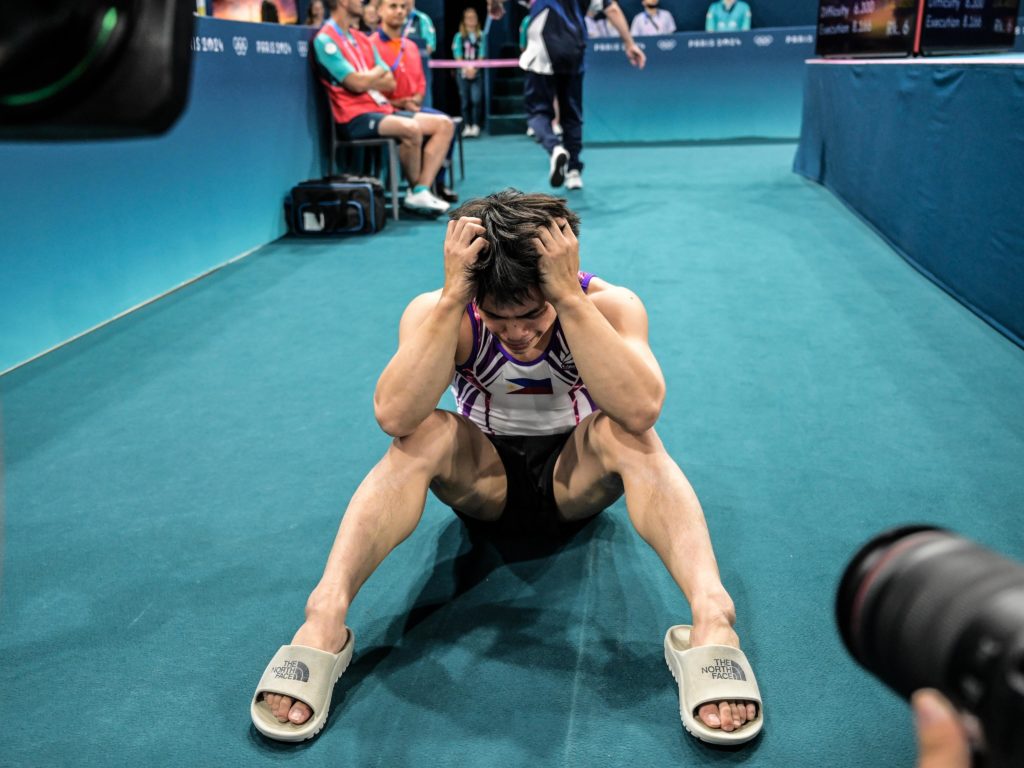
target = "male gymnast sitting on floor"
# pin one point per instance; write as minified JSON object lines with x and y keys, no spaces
{"x":515,"y":331}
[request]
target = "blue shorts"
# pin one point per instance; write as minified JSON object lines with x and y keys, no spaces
{"x":367,"y":125}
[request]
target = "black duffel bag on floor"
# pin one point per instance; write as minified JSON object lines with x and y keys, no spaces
{"x":336,"y":205}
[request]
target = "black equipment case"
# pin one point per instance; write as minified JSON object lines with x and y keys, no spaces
{"x":336,"y":205}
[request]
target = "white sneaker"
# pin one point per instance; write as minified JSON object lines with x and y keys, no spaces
{"x":530,"y":132}
{"x":557,"y":128}
{"x":424,"y":202}
{"x":573,"y":180}
{"x":476,"y":131}
{"x":559,"y":158}
{"x":467,"y":131}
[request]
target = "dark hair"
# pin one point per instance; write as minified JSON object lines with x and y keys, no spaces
{"x":507,"y":269}
{"x":330,"y":6}
{"x":268,"y":12}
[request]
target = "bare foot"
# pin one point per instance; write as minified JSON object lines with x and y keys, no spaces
{"x":727,"y":715}
{"x":323,"y":634}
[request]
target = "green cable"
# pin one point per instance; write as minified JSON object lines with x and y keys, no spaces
{"x":106,"y":30}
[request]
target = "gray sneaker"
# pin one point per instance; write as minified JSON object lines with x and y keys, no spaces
{"x":559,"y":159}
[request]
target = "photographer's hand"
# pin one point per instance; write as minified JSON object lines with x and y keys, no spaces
{"x":941,"y":740}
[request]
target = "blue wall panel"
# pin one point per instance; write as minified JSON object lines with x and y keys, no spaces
{"x":929,"y":152}
{"x":88,"y":230}
{"x":698,"y":87}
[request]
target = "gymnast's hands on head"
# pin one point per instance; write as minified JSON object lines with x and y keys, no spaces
{"x":941,"y":740}
{"x":463,"y":243}
{"x":559,"y":262}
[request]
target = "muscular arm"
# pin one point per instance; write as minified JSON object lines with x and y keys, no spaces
{"x":416,"y":377}
{"x":608,"y":338}
{"x":607,"y":333}
{"x":428,"y":338}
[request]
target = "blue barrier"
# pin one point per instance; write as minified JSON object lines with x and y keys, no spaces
{"x":89,"y":230}
{"x":698,"y":87}
{"x":928,"y":152}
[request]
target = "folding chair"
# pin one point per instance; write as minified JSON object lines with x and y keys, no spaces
{"x":366,"y":155}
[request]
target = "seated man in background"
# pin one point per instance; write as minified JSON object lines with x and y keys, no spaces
{"x":355,"y":75}
{"x":402,"y":55}
{"x":728,"y":16}
{"x":652,"y":20}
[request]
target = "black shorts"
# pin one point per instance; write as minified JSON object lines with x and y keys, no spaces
{"x":367,"y":125}
{"x":530,"y":508}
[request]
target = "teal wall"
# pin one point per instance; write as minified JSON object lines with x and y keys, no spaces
{"x":89,"y":230}
{"x":698,"y":87}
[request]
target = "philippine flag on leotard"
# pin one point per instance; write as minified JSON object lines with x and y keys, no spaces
{"x":529,"y":387}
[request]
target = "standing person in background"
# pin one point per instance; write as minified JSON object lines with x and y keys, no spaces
{"x":419,"y":25}
{"x":371,"y":19}
{"x":315,"y":14}
{"x":556,"y":126}
{"x":469,"y":45}
{"x":553,"y":60}
{"x":403,"y":56}
{"x":268,"y":12}
{"x":652,"y":20}
{"x":728,"y":16}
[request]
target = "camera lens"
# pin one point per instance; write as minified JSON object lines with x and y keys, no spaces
{"x":922,"y":607}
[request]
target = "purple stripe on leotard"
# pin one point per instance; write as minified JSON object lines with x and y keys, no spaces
{"x":474,"y":324}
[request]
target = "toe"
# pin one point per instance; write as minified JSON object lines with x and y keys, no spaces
{"x":299,"y":713}
{"x":739,"y":713}
{"x":272,"y":700}
{"x":709,"y":716}
{"x":725,"y":712}
{"x":751,"y":711}
{"x":281,"y":708}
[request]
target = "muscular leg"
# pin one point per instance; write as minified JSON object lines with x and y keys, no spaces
{"x":599,"y":463}
{"x":446,"y":453}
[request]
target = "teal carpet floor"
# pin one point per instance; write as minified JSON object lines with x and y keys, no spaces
{"x":174,"y":480}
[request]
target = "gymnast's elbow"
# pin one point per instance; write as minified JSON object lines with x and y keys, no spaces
{"x":639,"y":419}
{"x":394,"y":421}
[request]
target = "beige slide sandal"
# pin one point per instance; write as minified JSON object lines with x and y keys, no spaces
{"x":304,"y":674}
{"x":709,"y":674}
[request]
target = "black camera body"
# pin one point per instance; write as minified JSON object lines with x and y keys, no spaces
{"x":93,"y":69}
{"x":921,"y":607}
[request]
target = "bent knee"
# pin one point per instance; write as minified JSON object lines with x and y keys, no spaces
{"x":411,"y":132}
{"x":432,"y":438}
{"x":612,"y":440}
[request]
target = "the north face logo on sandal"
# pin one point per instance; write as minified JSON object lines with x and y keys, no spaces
{"x":292,"y":670}
{"x":724,"y":669}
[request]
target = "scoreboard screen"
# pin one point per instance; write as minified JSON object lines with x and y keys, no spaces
{"x":866,"y":27}
{"x":907,"y":27}
{"x":967,"y":26}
